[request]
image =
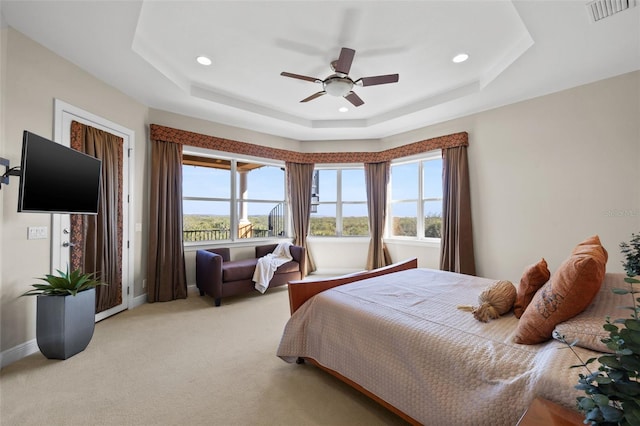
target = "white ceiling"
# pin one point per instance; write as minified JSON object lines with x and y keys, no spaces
{"x":518,"y":50}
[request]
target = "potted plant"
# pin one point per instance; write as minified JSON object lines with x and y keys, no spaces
{"x":613,"y":391}
{"x":65,"y":317}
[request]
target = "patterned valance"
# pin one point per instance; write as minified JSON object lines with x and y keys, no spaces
{"x":183,"y":137}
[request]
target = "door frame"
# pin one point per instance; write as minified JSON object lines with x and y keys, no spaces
{"x":64,"y":113}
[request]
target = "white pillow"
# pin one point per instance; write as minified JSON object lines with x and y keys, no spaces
{"x":586,"y":327}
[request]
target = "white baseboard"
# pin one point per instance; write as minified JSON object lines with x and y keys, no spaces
{"x":138,"y":301}
{"x":18,"y":352}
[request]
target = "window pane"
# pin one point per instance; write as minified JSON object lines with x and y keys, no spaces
{"x":327,"y":185}
{"x":404,"y":181}
{"x":433,"y":219}
{"x":404,"y":219}
{"x":205,"y":182}
{"x":353,"y":185}
{"x":260,"y":182}
{"x":432,"y":183}
{"x":355,"y":220}
{"x":432,"y":208}
{"x":205,"y":220}
{"x":258,"y":220}
{"x":323,"y":223}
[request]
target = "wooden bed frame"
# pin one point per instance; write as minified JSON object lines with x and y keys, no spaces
{"x":300,"y":291}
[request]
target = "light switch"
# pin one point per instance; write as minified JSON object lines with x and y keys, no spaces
{"x":37,"y":233}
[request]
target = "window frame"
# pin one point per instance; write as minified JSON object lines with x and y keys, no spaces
{"x":420,"y":201}
{"x":234,"y":199}
{"x":339,"y":202}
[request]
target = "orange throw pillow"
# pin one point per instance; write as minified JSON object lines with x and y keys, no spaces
{"x":569,"y":291}
{"x":533,"y":277}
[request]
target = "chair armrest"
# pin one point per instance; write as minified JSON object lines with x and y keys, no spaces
{"x":299,"y":254}
{"x":209,"y":272}
{"x":222,"y":251}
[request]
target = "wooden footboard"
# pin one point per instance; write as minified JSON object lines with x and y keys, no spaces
{"x":365,"y":392}
{"x":300,"y":291}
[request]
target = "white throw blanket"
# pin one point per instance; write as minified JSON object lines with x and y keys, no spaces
{"x":268,"y":264}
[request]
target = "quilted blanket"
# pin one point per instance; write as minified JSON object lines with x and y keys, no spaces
{"x":267,"y":265}
{"x":401,"y":337}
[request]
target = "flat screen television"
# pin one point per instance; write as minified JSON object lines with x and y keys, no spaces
{"x":57,"y":179}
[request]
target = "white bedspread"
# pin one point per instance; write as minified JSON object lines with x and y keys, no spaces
{"x":401,"y":337}
{"x":267,"y":265}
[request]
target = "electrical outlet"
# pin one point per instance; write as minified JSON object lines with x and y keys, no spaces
{"x":37,"y":233}
{"x":144,"y":283}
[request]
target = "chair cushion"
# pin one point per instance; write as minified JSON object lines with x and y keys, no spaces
{"x":238,"y":270}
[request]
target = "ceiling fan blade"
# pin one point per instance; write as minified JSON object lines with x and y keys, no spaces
{"x":379,"y":79}
{"x":354,"y":99}
{"x":312,"y":97}
{"x":301,"y":77}
{"x":343,"y":65}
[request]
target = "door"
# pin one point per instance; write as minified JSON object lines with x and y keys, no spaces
{"x":68,"y":240}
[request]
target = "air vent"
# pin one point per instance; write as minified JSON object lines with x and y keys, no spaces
{"x":600,"y":9}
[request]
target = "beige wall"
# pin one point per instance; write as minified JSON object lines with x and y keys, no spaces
{"x":33,"y":77}
{"x":545,"y":173}
{"x":549,"y":172}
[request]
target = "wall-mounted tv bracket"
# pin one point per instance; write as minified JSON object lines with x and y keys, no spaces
{"x":9,"y":171}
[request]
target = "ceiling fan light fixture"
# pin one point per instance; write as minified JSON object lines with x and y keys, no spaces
{"x":460,"y":57}
{"x":338,"y":86}
{"x":203,"y":60}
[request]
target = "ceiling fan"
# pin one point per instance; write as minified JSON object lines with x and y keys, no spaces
{"x":339,"y":83}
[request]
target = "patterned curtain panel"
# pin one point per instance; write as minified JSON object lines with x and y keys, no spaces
{"x":97,"y":238}
{"x":299,"y":181}
{"x":457,"y":234}
{"x":377,"y":179}
{"x":166,"y":273}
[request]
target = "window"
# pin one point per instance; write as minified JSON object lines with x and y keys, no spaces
{"x":341,"y":208}
{"x":227,"y":199}
{"x":416,"y":198}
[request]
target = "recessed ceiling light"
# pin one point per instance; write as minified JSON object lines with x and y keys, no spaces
{"x":203,"y":60}
{"x":461,"y":57}
{"x":343,"y":109}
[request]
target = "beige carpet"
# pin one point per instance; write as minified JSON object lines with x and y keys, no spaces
{"x":184,"y":363}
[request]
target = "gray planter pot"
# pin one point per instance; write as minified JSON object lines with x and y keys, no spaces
{"x":65,"y":324}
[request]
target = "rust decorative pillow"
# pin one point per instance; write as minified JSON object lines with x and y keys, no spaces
{"x":569,"y":291}
{"x":533,"y":277}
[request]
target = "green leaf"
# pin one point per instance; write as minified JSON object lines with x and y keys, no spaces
{"x":632,"y":324}
{"x":610,"y":328}
{"x":585,"y":404}
{"x":600,"y":400}
{"x":611,"y":414}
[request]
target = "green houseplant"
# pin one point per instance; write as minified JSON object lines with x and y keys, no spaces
{"x":64,"y":283}
{"x":65,"y":313}
{"x":613,"y":390}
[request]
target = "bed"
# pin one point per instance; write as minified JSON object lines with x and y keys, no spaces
{"x":396,"y":335}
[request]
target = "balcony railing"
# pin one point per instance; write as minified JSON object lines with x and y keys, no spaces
{"x":205,"y":235}
{"x":221,"y":234}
